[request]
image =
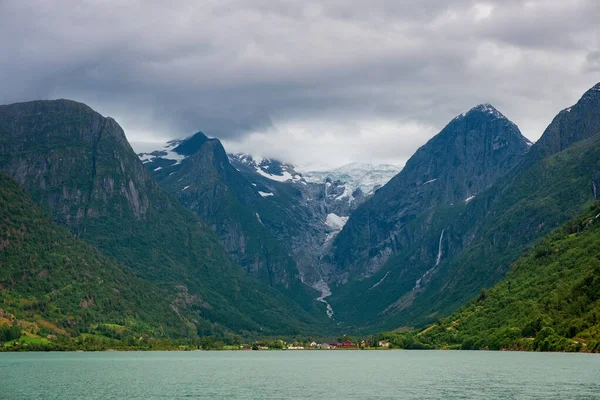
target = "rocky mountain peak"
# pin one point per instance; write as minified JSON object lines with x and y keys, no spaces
{"x":471,"y":153}
{"x":575,"y":123}
{"x":484,"y":110}
{"x":592,"y":95}
{"x":190,"y":145}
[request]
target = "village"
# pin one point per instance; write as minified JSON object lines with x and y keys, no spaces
{"x":312,"y":345}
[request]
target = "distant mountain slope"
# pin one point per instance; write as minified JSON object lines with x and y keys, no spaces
{"x":202,"y":178}
{"x":80,"y":167}
{"x":545,"y":190}
{"x":466,"y":157}
{"x":469,"y":246}
{"x":55,"y":283}
{"x":548,"y":301}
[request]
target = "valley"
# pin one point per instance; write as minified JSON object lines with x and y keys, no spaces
{"x":189,"y":241}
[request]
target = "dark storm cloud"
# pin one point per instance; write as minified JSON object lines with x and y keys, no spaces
{"x":303,"y":79}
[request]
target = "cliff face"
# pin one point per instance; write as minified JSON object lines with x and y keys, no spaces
{"x":71,"y":158}
{"x":80,"y":167}
{"x":465,"y":158}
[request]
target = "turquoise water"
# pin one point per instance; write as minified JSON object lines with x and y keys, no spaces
{"x":299,"y":375}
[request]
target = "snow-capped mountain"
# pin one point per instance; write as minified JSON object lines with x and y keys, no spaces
{"x":363,"y":176}
{"x":266,"y":167}
{"x":304,"y":209}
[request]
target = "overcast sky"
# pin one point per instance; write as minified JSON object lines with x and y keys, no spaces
{"x":308,"y":82}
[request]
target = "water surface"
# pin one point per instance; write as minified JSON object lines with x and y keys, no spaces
{"x":300,"y":375}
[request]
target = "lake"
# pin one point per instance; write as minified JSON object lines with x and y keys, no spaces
{"x":300,"y":375}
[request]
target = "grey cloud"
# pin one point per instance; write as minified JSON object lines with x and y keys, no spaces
{"x":593,"y":60}
{"x":234,"y":68}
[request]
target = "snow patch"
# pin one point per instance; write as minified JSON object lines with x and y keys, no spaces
{"x":381,"y":280}
{"x":185,"y":188}
{"x":157,"y":169}
{"x":430,"y":181}
{"x":468,"y":199}
{"x":265,"y":194}
{"x":285,"y":176}
{"x":484,"y":108}
{"x":165,"y":153}
{"x":335,"y":222}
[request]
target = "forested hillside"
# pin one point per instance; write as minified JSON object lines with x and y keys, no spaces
{"x":549,"y":300}
{"x":53,"y":283}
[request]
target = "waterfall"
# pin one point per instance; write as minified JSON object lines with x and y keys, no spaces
{"x":438,"y":259}
{"x":439,"y":254}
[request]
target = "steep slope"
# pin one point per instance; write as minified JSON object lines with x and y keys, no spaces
{"x":465,"y":158}
{"x":470,"y":246}
{"x":206,"y":183}
{"x":79,"y":166}
{"x":549,"y":300}
{"x":54,"y":283}
{"x":553,"y":184}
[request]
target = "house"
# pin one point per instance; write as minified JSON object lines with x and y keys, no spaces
{"x":384,"y":343}
{"x":324,"y":346}
{"x":313,"y":345}
{"x":295,"y":347}
{"x":346,"y":345}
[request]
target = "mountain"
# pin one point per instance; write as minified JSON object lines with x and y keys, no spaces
{"x":197,"y":171}
{"x":552,"y":184}
{"x":466,"y":157}
{"x":364,"y":176}
{"x":548,"y":301}
{"x":80,"y":168}
{"x":466,"y":247}
{"x":345,"y":187}
{"x":272,"y":221}
{"x":53,"y":283}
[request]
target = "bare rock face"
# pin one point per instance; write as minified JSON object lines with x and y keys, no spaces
{"x":70,"y":155}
